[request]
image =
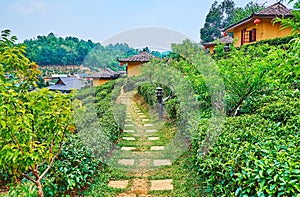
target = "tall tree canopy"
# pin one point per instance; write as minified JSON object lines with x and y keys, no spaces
{"x":222,"y":15}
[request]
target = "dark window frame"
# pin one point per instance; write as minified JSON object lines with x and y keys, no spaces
{"x":248,"y":36}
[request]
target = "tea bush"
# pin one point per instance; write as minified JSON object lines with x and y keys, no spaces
{"x":252,"y":157}
{"x":74,"y":170}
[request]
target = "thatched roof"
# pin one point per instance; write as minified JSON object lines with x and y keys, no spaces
{"x":224,"y":40}
{"x":277,"y":9}
{"x":106,"y":73}
{"x":273,"y":11}
{"x":141,"y":57}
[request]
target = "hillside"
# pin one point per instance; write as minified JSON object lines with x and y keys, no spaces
{"x":53,"y":50}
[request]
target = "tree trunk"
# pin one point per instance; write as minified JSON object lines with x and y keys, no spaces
{"x":40,"y":189}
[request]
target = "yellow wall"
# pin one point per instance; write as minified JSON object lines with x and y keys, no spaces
{"x":98,"y":82}
{"x":211,"y":49}
{"x":264,"y":30}
{"x":134,"y":68}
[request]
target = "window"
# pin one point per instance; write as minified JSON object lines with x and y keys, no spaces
{"x":248,"y":36}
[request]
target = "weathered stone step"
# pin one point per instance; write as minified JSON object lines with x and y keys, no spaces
{"x":157,"y":148}
{"x":162,"y":162}
{"x":148,"y":125}
{"x":151,"y":131}
{"x":125,"y":148}
{"x":161,"y":184}
{"x":128,"y":131}
{"x":126,"y":162}
{"x":128,"y":138}
{"x":120,"y":184}
{"x":153,"y":138}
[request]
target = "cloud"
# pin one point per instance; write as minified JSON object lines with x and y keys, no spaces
{"x":29,"y":7}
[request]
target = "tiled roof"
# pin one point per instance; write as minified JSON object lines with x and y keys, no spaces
{"x":141,"y":57}
{"x":277,"y":9}
{"x":225,"y":40}
{"x":105,"y":73}
{"x":66,"y":84}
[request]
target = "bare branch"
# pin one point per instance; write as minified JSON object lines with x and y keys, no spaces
{"x":28,"y":177}
{"x":53,"y":158}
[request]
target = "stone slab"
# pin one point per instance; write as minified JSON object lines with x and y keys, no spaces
{"x":153,"y":138}
{"x":161,"y":184}
{"x":145,"y":120}
{"x":139,"y":113}
{"x":162,"y":162}
{"x":129,"y":131}
{"x":144,"y":162}
{"x":127,"y":195}
{"x":128,"y":138}
{"x":140,"y":186}
{"x":127,"y":148}
{"x":121,"y":184}
{"x":157,"y":148}
{"x":128,"y":125}
{"x":126,"y":162}
{"x":148,"y":125}
{"x":151,"y":131}
{"x":143,"y":116}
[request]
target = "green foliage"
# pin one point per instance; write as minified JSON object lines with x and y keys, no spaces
{"x":256,"y":154}
{"x":52,"y":50}
{"x":148,"y":91}
{"x":253,"y":156}
{"x":283,"y":41}
{"x":216,"y":20}
{"x":74,"y":170}
{"x":293,"y":22}
{"x":242,"y":13}
{"x":244,"y":72}
{"x":172,"y":106}
{"x":33,"y":123}
{"x":223,"y":15}
{"x":23,"y":189}
{"x":111,"y":115}
{"x":5,"y":178}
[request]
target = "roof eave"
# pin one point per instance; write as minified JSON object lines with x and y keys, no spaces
{"x":253,"y":16}
{"x":246,"y":20}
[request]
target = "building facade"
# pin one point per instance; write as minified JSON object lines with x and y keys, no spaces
{"x":261,"y":25}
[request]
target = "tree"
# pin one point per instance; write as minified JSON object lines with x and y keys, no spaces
{"x":241,"y":13}
{"x":223,"y":15}
{"x":218,"y":17}
{"x":33,"y":123}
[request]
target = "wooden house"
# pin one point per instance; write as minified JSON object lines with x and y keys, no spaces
{"x":260,"y":25}
{"x":226,"y":40}
{"x":134,"y":63}
{"x":67,"y":84}
{"x":104,"y":76}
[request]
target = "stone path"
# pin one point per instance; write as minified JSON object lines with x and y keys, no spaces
{"x":140,"y":151}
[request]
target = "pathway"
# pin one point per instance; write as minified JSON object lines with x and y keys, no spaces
{"x":141,"y":151}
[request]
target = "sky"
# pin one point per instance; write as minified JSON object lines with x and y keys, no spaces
{"x":103,"y":20}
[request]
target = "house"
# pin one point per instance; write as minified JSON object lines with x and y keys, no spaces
{"x":67,"y":84}
{"x":226,"y":40}
{"x":260,"y":25}
{"x":135,"y":62}
{"x":104,"y":76}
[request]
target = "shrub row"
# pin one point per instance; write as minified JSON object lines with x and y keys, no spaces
{"x":252,"y":157}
